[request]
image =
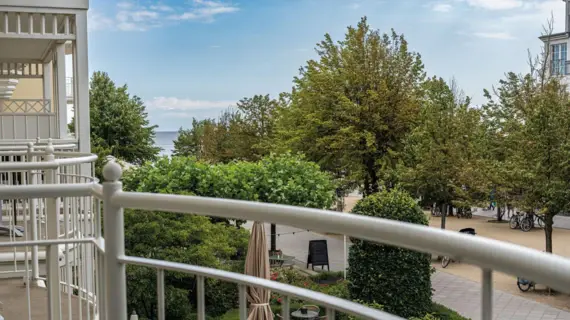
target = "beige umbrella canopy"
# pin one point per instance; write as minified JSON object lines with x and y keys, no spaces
{"x":257,"y":265}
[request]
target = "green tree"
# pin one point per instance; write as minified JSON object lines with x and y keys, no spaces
{"x":442,"y":152}
{"x":351,"y":108}
{"x":190,"y":142}
{"x":119,"y":123}
{"x":259,"y":114}
{"x":241,"y":133}
{"x":282,"y":179}
{"x":183,"y":238}
{"x":532,"y":117}
{"x":398,"y":279}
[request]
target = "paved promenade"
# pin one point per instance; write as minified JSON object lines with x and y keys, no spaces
{"x":459,"y":294}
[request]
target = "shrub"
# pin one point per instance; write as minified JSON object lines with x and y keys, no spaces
{"x":397,"y":278}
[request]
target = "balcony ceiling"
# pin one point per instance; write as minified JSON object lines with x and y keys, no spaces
{"x":28,"y":49}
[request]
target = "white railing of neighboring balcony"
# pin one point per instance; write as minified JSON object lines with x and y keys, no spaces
{"x":27,"y":118}
{"x":106,"y":291}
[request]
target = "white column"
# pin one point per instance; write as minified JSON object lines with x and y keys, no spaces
{"x":81,"y":81}
{"x":61,"y":95}
{"x":115,"y":272}
{"x":52,"y":254}
{"x":47,"y":81}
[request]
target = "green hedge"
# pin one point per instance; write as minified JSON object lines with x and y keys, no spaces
{"x":396,"y":278}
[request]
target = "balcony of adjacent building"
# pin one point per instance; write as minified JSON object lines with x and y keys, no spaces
{"x":36,"y":83}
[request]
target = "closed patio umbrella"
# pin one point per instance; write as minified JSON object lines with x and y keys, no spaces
{"x":257,"y":265}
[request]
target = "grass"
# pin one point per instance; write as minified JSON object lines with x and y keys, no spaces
{"x":444,"y":313}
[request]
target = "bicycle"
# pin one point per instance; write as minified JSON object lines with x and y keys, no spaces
{"x":516,"y":220}
{"x":445,"y":260}
{"x":531,"y":220}
{"x":525,"y":285}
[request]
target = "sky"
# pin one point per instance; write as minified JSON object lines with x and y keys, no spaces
{"x":195,"y":58}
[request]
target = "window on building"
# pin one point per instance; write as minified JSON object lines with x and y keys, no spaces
{"x":559,"y":53}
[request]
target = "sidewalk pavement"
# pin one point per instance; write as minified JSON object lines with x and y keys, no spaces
{"x":456,"y":293}
{"x":561,"y":222}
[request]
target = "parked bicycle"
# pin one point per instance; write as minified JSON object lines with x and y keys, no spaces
{"x":445,"y":260}
{"x":524,"y":284}
{"x":464,"y":213}
{"x":526,"y":221}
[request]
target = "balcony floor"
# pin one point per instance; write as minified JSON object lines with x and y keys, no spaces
{"x":14,"y":302}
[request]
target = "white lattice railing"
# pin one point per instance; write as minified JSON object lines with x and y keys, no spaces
{"x":100,"y":263}
{"x":25,"y":106}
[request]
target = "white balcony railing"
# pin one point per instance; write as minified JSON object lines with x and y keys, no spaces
{"x":25,"y":106}
{"x":101,"y":263}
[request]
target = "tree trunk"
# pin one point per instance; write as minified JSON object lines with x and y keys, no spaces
{"x":273,"y":237}
{"x":371,"y":177}
{"x":443,"y":215}
{"x":499,"y":215}
{"x":548,"y":222}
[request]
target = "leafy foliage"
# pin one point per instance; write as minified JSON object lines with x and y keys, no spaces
{"x":187,"y":239}
{"x":242,"y":133}
{"x":119,"y":124}
{"x":350,"y":109}
{"x":441,"y":155}
{"x":397,"y":278}
{"x":531,"y":117}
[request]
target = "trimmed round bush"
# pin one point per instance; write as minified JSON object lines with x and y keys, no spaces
{"x":396,"y":278}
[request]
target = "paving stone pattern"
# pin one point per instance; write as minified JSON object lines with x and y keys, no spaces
{"x":464,"y":296}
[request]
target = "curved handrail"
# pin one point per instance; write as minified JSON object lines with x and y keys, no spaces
{"x":322,"y":299}
{"x":547,"y":269}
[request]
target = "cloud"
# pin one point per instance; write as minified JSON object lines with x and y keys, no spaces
{"x":494,"y":35}
{"x":442,"y":7}
{"x":176,"y":105}
{"x":496,"y":4}
{"x":97,"y":21}
{"x":205,"y":10}
{"x":132,"y":16}
{"x":515,"y":19}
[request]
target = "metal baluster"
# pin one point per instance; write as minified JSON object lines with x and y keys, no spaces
{"x":160,"y":294}
{"x":286,"y":308}
{"x":201,"y":308}
{"x":487,"y":295}
{"x":330,"y":314}
{"x":242,"y":302}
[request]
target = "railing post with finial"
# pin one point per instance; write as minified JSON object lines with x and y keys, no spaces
{"x":115,"y":274}
{"x":52,"y":220}
{"x":32,"y":179}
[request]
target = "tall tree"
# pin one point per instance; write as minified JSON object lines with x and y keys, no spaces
{"x":259,"y":118}
{"x":532,"y":115}
{"x":119,"y":122}
{"x":441,"y":155}
{"x":350,"y":109}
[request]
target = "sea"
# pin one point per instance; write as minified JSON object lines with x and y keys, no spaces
{"x":165,"y":141}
